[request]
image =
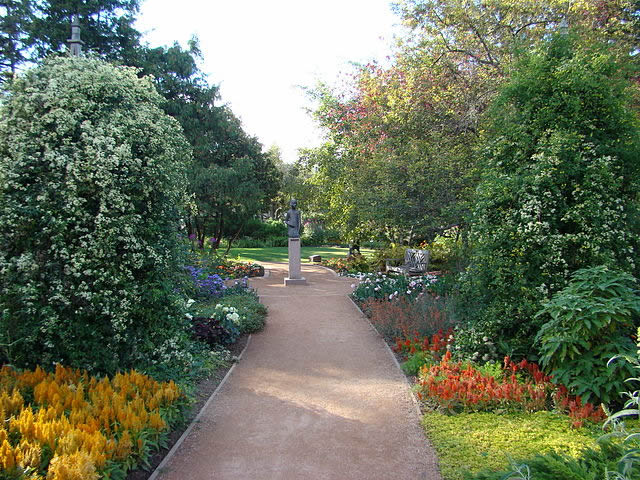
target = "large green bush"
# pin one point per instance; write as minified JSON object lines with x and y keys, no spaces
{"x":588,"y":322}
{"x":88,"y":219}
{"x":559,"y":189}
{"x":260,"y":230}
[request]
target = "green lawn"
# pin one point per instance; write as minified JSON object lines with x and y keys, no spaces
{"x":471,"y":442}
{"x":280,"y":254}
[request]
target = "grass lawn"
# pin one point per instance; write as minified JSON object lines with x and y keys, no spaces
{"x":281,"y":254}
{"x":470,"y":442}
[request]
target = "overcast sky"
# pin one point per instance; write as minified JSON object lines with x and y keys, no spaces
{"x":261,"y":51}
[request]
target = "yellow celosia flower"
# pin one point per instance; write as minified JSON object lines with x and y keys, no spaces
{"x":85,"y":421}
{"x":7,"y":458}
{"x":123,"y":450}
{"x":76,"y":466}
{"x":30,"y":455}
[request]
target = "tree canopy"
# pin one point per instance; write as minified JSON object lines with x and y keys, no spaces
{"x":34,"y":29}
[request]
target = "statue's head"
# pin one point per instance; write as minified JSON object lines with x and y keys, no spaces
{"x":293,"y":203}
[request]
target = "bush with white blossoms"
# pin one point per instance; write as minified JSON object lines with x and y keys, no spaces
{"x":93,"y":176}
{"x":383,"y":287}
{"x":558,"y":192}
{"x":230,"y":314}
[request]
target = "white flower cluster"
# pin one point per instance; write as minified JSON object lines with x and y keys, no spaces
{"x":231,"y":313}
{"x":93,"y":171}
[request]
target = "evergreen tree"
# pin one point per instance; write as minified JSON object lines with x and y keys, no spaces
{"x":34,"y":29}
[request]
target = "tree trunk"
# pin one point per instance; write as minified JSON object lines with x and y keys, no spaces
{"x":232,"y":240}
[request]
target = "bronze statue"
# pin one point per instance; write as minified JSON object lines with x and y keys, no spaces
{"x":292,"y":219}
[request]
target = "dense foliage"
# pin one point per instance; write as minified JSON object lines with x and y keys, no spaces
{"x":88,"y":216}
{"x":399,"y":160}
{"x":559,"y":188}
{"x":591,"y":321}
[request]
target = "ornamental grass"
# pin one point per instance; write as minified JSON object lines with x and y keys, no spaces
{"x":67,"y":425}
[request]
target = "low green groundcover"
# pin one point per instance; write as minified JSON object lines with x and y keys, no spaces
{"x":473,"y":442}
{"x":281,"y":254}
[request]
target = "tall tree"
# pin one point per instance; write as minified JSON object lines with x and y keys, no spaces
{"x":16,"y":16}
{"x":107,"y":26}
{"x":403,"y":137}
{"x":491,"y":32}
{"x":401,"y":143}
{"x":34,"y":29}
{"x":230,"y":178}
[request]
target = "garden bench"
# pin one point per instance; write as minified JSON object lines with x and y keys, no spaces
{"x":416,"y":262}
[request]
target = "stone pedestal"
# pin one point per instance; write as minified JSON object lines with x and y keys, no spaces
{"x":295,"y":267}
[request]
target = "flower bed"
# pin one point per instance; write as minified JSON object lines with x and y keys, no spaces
{"x":380,"y":286}
{"x":217,"y":325}
{"x":68,"y":425}
{"x":351,"y":265}
{"x":407,"y":312}
{"x":239,"y":270}
{"x":223,"y":267}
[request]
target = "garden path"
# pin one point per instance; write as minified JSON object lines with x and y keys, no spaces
{"x":315,"y":396}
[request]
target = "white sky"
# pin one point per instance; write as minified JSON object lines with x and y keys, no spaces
{"x":261,"y":51}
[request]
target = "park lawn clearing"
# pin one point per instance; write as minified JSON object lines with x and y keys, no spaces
{"x":281,"y":254}
{"x":471,"y":442}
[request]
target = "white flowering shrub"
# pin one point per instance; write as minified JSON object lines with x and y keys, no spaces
{"x":93,"y":177}
{"x":559,"y":191}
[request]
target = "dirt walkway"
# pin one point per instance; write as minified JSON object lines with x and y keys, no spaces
{"x":316,"y":396}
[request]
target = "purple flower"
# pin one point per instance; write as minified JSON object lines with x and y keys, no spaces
{"x":192,"y":236}
{"x":213,"y":240}
{"x":206,"y":285}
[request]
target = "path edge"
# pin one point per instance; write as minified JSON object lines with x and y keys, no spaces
{"x":335,"y":274}
{"x":416,"y":404}
{"x":197,"y":418}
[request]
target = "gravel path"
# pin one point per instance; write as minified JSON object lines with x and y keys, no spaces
{"x":316,"y":396}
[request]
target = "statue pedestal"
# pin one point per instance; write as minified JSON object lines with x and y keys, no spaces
{"x":295,"y":267}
